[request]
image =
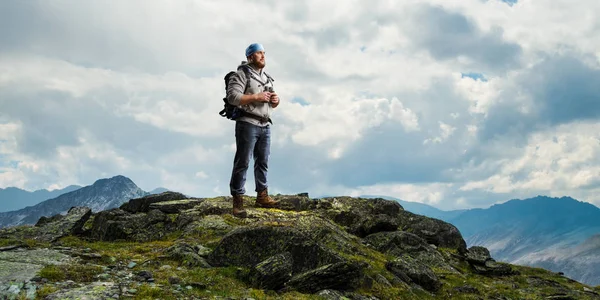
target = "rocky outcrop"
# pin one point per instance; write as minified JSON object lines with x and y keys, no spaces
{"x":336,"y":247}
{"x":52,"y":228}
{"x":434,"y":231}
{"x":143,"y":204}
{"x":116,"y":224}
{"x":479,"y":258}
{"x":248,"y":246}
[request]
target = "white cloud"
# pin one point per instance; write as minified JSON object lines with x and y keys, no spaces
{"x":88,"y":90}
{"x":559,"y":161}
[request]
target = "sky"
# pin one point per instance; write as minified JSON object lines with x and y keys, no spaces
{"x":452,"y":103}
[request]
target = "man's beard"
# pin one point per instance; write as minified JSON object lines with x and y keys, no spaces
{"x":259,"y":64}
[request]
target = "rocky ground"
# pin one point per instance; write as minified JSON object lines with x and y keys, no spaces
{"x":169,"y":246}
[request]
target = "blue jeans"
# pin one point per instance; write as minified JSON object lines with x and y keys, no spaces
{"x":251,"y":140}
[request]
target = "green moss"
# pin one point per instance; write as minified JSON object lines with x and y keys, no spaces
{"x":146,"y":291}
{"x":77,"y":273}
{"x":45,"y":290}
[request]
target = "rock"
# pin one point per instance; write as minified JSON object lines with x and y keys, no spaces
{"x":478,"y":255}
{"x":248,"y":246}
{"x":117,"y":224}
{"x":434,"y":231}
{"x":95,"y":290}
{"x":23,"y":265}
{"x":52,"y":228}
{"x":331,"y":295}
{"x":481,"y":262}
{"x":202,"y":251}
{"x":272,"y":273}
{"x":374,"y":224}
{"x":337,"y":276}
{"x":466,"y":289}
{"x":298,"y":202}
{"x":187,"y":255}
{"x":493,"y":268}
{"x":175,"y":206}
{"x":364,"y":216}
{"x":144,"y":275}
{"x":410,"y":270}
{"x":398,"y":243}
{"x":143,"y":204}
{"x":43,"y":220}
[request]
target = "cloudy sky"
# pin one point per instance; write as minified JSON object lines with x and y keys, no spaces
{"x":452,"y":103}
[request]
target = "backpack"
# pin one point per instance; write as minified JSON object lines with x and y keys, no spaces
{"x":229,"y":111}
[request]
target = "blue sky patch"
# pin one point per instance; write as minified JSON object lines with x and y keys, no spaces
{"x":476,"y":76}
{"x":300,"y":101}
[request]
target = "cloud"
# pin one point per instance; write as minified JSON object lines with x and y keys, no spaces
{"x":451,"y":103}
{"x":450,"y":35}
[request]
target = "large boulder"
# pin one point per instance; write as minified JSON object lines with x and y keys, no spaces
{"x":117,"y":224}
{"x":50,"y":229}
{"x":362,"y":217}
{"x":482,"y":263}
{"x":434,"y":231}
{"x":248,"y":246}
{"x":411,"y":271}
{"x":400,"y":243}
{"x":143,"y":204}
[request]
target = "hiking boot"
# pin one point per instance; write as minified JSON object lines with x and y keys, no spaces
{"x":264,"y":200}
{"x":238,"y":206}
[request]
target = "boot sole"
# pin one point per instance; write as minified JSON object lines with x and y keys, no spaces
{"x":267,"y":205}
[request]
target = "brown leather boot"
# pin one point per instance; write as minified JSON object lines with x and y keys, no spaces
{"x":264,"y":200}
{"x":238,"y":206}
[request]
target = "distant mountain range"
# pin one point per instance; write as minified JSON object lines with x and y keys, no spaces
{"x":12,"y":198}
{"x":101,"y":195}
{"x":557,"y":234}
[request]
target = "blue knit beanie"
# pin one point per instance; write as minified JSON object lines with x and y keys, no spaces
{"x":253,"y":48}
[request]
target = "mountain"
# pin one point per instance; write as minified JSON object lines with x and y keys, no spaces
{"x":422,"y":209}
{"x":169,"y":246}
{"x":554,"y":233}
{"x":12,"y":198}
{"x":581,"y":261}
{"x":103,"y":194}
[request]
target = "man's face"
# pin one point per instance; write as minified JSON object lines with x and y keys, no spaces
{"x":258,"y":58}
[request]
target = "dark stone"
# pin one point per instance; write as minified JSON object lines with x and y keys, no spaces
{"x":143,"y":204}
{"x":175,"y":206}
{"x":466,"y":289}
{"x":187,"y":255}
{"x":248,"y":246}
{"x":478,"y":255}
{"x":434,"y":231}
{"x":117,"y":224}
{"x":377,"y":223}
{"x":272,"y":273}
{"x":55,"y":227}
{"x":412,"y":271}
{"x":362,"y":217}
{"x":43,"y":220}
{"x":337,"y":276}
{"x":399,"y":243}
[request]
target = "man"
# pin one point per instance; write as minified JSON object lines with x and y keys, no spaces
{"x":251,"y":90}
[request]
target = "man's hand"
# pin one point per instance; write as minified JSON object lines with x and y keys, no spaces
{"x":260,"y":97}
{"x":274,"y":100}
{"x":263,"y":97}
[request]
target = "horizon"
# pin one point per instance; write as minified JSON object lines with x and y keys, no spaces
{"x":324,"y":195}
{"x":454,"y":104}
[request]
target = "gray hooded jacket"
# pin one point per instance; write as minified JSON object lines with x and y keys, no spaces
{"x":256,"y":84}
